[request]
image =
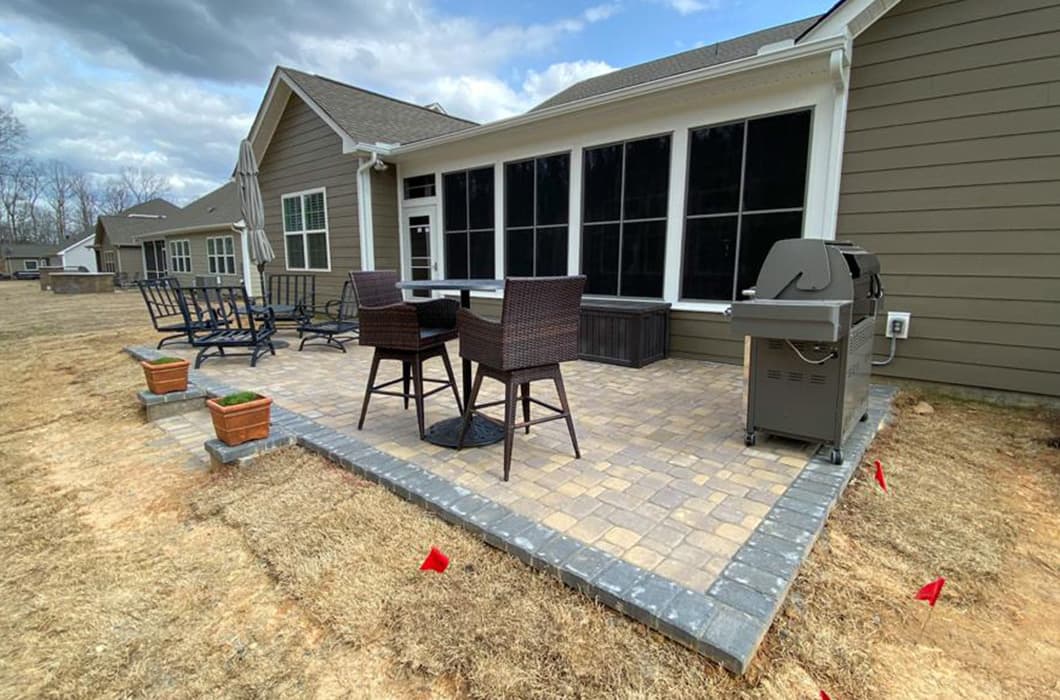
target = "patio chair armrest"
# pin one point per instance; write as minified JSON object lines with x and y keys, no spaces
{"x":481,"y":340}
{"x":395,"y":326}
{"x":437,"y":313}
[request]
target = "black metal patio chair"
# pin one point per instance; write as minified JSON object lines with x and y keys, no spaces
{"x":162,"y":298}
{"x":292,"y":297}
{"x":235,"y":324}
{"x":339,"y":326}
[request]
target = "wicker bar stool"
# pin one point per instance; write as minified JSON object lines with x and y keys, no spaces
{"x":410,"y":333}
{"x":538,"y":330}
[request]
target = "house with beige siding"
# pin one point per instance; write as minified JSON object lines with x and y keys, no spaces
{"x":927,"y":131}
{"x":203,"y":243}
{"x":117,"y":249}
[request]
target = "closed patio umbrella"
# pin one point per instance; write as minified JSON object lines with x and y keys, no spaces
{"x":261,"y":252}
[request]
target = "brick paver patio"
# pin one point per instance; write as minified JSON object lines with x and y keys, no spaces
{"x":665,"y":481}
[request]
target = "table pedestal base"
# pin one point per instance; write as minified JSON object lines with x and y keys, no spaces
{"x":482,"y":431}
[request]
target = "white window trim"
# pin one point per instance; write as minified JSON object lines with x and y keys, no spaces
{"x":173,"y":257}
{"x":26,"y":265}
{"x":305,"y":247}
{"x":210,"y":258}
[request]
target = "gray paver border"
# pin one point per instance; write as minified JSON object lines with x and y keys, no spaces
{"x":726,"y":623}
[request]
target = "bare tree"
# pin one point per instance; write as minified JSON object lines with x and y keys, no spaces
{"x":87,"y":203}
{"x":12,"y":195}
{"x":12,"y":134}
{"x":33,"y":188}
{"x":115,"y":197}
{"x":142,"y":185}
{"x":60,"y":197}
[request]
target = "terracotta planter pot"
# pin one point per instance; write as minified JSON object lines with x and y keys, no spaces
{"x":241,"y":423}
{"x":166,"y":378}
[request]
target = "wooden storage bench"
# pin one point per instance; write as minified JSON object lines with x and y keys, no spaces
{"x":628,"y":333}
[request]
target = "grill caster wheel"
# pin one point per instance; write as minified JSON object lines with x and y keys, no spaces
{"x":750,"y":439}
{"x":837,"y":455}
{"x":864,"y":417}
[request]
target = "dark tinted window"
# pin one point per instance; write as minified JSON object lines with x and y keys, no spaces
{"x":519,"y":193}
{"x":456,"y":256}
{"x":480,"y":198}
{"x":519,"y":249}
{"x":709,"y":258}
{"x":481,"y":254}
{"x":600,"y":258}
{"x":777,"y":149}
{"x":551,"y":251}
{"x":714,"y":162}
{"x":454,"y":194}
{"x":647,"y":178}
{"x":602,"y":189}
{"x":757,"y":235}
{"x":760,"y":163}
{"x":553,"y":190}
{"x":419,"y":186}
{"x":643,"y":251}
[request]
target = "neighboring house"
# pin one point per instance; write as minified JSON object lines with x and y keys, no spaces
{"x":118,"y":251}
{"x":927,"y":131}
{"x":26,"y":257}
{"x":203,"y":242}
{"x":79,"y":254}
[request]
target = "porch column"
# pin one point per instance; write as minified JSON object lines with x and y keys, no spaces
{"x":675,"y":215}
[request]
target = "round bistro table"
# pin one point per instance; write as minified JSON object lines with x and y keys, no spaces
{"x":482,"y":431}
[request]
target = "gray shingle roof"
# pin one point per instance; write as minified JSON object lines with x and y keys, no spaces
{"x":219,"y":208}
{"x":120,"y":228}
{"x":703,"y":57}
{"x":28,"y":250}
{"x":369,"y":117}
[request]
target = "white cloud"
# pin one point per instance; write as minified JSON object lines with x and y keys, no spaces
{"x":687,"y":7}
{"x":167,"y":86}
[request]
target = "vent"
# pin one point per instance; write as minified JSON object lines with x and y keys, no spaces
{"x":775,"y":374}
{"x":818,"y":379}
{"x":794,"y":376}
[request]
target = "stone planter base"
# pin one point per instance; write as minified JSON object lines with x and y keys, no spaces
{"x":166,"y":405}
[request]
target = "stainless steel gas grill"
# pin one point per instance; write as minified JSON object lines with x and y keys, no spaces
{"x":810,"y":318}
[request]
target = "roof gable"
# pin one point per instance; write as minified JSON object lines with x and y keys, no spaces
{"x":219,"y":208}
{"x":119,"y":229}
{"x":360,"y":117}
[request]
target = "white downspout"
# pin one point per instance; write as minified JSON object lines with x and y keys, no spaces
{"x":839,"y":65}
{"x":364,"y":210}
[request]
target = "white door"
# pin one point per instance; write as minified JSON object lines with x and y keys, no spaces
{"x":420,"y":245}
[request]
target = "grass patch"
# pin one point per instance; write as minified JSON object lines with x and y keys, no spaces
{"x":165,"y":361}
{"x":240,"y":397}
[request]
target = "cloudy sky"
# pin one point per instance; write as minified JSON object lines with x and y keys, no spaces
{"x":172,"y":85}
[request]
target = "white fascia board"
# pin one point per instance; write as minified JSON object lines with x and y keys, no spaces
{"x":853,"y":17}
{"x":70,"y":247}
{"x":774,"y":58}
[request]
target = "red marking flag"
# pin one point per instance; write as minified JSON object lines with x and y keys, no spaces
{"x":931,"y":591}
{"x":825,"y":696}
{"x":879,"y":476}
{"x":435,"y":561}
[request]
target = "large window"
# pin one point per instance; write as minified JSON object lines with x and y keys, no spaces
{"x":180,"y":256}
{"x":625,"y":189}
{"x":221,"y":255}
{"x":419,"y":186}
{"x":30,"y":265}
{"x":536,"y":212}
{"x":305,"y":231}
{"x":746,"y":191}
{"x":467,"y":201}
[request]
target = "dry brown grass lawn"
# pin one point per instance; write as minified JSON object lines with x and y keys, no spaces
{"x":126,"y":574}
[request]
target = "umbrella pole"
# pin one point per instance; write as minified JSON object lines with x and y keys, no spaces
{"x":261,"y":276}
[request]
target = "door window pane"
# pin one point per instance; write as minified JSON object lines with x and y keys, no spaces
{"x":600,"y":258}
{"x":643,"y":252}
{"x":758,"y":233}
{"x":647,"y":178}
{"x":709,"y":258}
{"x":715,"y":159}
{"x":602,"y":187}
{"x":419,"y":230}
{"x":777,"y":150}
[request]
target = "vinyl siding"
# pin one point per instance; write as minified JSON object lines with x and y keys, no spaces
{"x":385,"y":229}
{"x":130,"y":260}
{"x":306,"y":154}
{"x":199,"y":266}
{"x":951,"y":174}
